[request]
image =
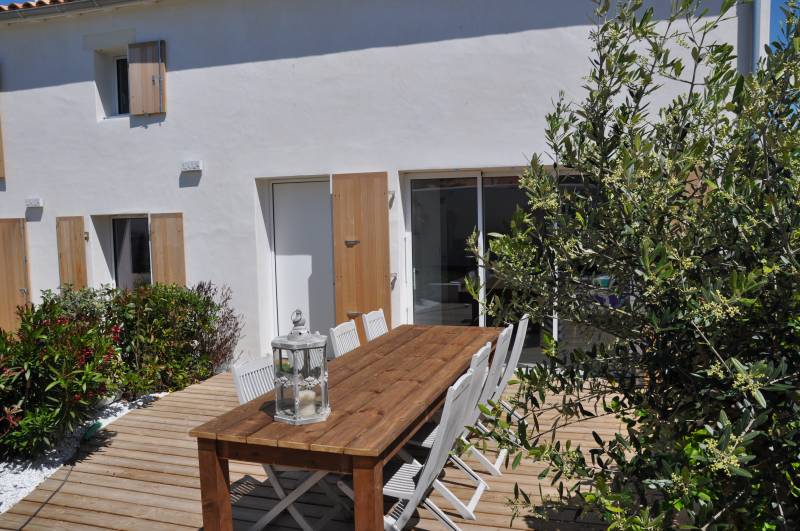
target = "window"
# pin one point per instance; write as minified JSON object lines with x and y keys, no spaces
{"x":123,"y":98}
{"x":130,"y":80}
{"x":111,"y":83}
{"x":131,"y":252}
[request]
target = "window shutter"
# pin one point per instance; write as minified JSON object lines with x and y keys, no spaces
{"x":14,"y":273}
{"x":166,"y":249}
{"x":2,"y":159}
{"x":147,"y":71}
{"x":71,"y":251}
{"x":361,"y":246}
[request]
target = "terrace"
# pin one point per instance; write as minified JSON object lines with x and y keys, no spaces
{"x":141,"y":472}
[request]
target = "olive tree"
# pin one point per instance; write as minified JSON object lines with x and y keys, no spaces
{"x":691,"y":211}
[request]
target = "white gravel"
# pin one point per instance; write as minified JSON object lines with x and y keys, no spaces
{"x":20,"y":476}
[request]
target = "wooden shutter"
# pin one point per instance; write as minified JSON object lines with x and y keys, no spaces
{"x":71,"y":251}
{"x":166,"y":249}
{"x":2,"y":158}
{"x":14,"y":279}
{"x":361,"y":246}
{"x":147,"y":72}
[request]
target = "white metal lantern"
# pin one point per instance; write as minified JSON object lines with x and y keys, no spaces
{"x":301,"y":375}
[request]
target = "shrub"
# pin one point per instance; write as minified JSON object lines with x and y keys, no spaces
{"x":54,"y":371}
{"x":692,"y":210}
{"x":172,"y":336}
{"x":79,"y":346}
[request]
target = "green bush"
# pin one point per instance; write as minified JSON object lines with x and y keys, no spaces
{"x":693,"y":211}
{"x":54,"y":370}
{"x":80,"y":346}
{"x":172,"y":336}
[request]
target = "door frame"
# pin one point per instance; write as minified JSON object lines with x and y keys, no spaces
{"x":272,"y":265}
{"x":405,"y":183}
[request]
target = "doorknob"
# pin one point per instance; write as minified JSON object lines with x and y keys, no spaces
{"x":353,"y":315}
{"x":352,"y":243}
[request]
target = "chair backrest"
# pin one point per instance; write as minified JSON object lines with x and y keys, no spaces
{"x":513,"y":358}
{"x":449,"y":427}
{"x":456,"y":397}
{"x":253,"y":378}
{"x":493,"y":376}
{"x":374,"y":324}
{"x":480,"y":368}
{"x":344,"y":338}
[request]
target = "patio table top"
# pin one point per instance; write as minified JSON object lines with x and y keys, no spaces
{"x":376,"y":393}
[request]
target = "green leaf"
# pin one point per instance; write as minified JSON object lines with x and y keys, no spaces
{"x":759,"y":398}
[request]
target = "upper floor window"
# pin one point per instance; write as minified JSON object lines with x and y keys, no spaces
{"x":130,"y":80}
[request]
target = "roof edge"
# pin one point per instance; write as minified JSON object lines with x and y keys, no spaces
{"x":40,"y":10}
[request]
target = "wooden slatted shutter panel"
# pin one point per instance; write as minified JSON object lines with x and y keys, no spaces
{"x":71,"y":251}
{"x":14,"y":277}
{"x":147,"y":75}
{"x":361,"y":246}
{"x":2,"y":158}
{"x":166,"y":249}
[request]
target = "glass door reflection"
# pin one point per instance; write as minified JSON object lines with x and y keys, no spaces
{"x":443,"y":216}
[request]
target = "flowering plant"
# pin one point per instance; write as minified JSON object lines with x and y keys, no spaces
{"x":54,"y":370}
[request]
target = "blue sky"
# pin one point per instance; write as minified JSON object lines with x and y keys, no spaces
{"x":776,"y":17}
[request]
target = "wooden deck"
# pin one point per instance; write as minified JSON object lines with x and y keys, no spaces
{"x":140,"y":473}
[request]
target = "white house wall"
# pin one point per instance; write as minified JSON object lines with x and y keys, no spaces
{"x":278,"y":88}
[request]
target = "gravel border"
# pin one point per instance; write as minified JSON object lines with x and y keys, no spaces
{"x":20,"y":477}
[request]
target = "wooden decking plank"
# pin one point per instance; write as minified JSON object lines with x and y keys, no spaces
{"x":141,"y":473}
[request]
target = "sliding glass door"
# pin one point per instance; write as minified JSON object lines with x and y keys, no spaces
{"x":443,"y":215}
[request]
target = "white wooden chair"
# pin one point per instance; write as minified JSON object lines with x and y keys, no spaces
{"x":374,"y":324}
{"x":479,"y":367}
{"x":344,"y":338}
{"x":511,"y":366}
{"x":252,"y":379}
{"x":473,"y":414}
{"x":411,"y":482}
{"x":488,"y":391}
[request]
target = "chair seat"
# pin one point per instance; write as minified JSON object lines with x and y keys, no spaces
{"x":399,"y":479}
{"x":402,"y":480}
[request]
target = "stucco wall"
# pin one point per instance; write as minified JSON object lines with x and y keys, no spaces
{"x":278,"y":88}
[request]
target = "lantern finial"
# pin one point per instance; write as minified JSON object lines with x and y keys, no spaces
{"x":299,"y":323}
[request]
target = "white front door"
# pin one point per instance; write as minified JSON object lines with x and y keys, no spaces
{"x":302,"y":241}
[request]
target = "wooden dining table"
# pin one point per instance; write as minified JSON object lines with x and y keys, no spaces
{"x":380,"y":394}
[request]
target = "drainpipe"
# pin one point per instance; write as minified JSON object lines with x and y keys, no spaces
{"x":761,"y":20}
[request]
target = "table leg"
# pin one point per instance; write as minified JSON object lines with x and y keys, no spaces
{"x":368,"y":487}
{"x":214,"y":487}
